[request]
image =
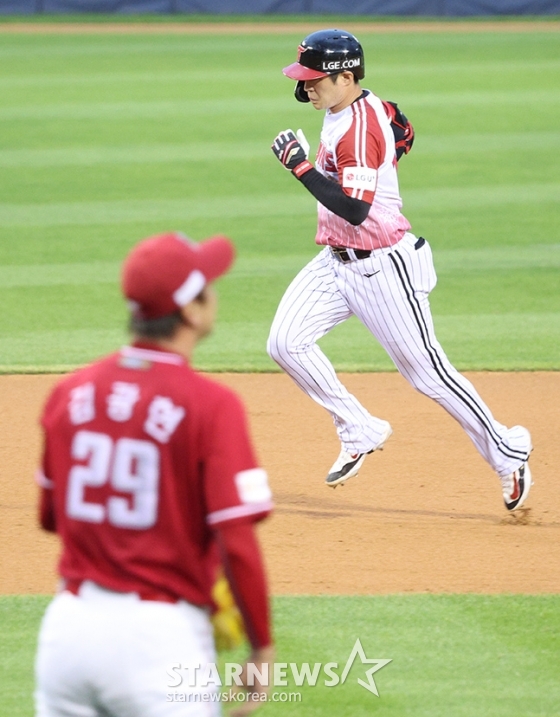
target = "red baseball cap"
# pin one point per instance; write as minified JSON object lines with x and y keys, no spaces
{"x":166,"y":272}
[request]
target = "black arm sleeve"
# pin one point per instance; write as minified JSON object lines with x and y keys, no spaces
{"x":332,"y":196}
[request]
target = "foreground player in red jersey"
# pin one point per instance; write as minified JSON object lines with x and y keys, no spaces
{"x":147,"y":466}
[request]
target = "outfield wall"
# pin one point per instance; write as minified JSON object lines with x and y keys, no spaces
{"x":431,"y":8}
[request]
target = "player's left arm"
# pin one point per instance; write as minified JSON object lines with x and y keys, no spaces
{"x":47,"y":518}
{"x":237,"y":496}
{"x":44,"y":476}
{"x":293,"y":155}
{"x":243,"y":566}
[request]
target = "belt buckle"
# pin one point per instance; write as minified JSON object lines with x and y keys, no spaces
{"x":341,"y":254}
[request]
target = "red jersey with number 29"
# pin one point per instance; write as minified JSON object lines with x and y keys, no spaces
{"x":142,"y":458}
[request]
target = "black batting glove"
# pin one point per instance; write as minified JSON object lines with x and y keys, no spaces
{"x":291,"y":153}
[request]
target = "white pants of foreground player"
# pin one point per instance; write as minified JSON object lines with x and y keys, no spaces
{"x":388,"y":292}
{"x":105,"y":654}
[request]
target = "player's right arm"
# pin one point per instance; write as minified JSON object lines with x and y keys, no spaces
{"x":331,"y":195}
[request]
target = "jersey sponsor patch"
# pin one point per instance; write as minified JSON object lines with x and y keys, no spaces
{"x":252,"y":486}
{"x":359,"y":178}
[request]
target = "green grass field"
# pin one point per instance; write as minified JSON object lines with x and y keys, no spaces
{"x":452,"y":655}
{"x":106,"y":139}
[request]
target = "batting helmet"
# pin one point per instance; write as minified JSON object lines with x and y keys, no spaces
{"x":323,"y":53}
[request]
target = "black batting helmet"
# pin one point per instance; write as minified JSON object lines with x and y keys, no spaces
{"x":323,"y":53}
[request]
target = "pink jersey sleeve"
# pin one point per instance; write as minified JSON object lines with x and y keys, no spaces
{"x":360,"y":152}
{"x":235,"y":487}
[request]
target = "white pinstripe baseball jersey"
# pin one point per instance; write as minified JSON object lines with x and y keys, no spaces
{"x":372,"y":267}
{"x":357,"y":150}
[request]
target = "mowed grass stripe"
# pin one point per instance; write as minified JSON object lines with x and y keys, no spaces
{"x":107,"y":272}
{"x":481,"y":327}
{"x":32,"y":49}
{"x":166,"y":210}
{"x":255,"y":73}
{"x":473,"y":197}
{"x":481,"y":342}
{"x":144,"y":110}
{"x":472,"y":143}
{"x":135,"y":154}
{"x":484,"y":340}
{"x":80,"y":346}
{"x":108,"y":78}
{"x":246,"y":105}
{"x":482,"y":98}
{"x":538,"y":256}
{"x":243,"y":151}
{"x":542,"y":256}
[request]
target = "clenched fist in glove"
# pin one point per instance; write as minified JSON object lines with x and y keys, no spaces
{"x":292,"y":151}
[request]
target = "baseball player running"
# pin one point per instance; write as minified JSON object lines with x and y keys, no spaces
{"x":372,"y":267}
{"x":147,"y":467}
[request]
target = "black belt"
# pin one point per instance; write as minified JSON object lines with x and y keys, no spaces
{"x":342,"y":254}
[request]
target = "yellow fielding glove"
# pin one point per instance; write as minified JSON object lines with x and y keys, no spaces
{"x":229,"y":630}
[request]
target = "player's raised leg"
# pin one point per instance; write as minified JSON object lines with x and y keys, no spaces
{"x":310,"y":308}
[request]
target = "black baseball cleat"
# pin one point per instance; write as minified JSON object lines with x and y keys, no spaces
{"x":516,"y":487}
{"x":348,"y":464}
{"x":345,"y":466}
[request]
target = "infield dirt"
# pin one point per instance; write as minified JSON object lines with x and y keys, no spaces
{"x":424,"y":515}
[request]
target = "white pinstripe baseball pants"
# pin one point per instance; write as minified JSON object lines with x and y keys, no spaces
{"x":393,"y":304}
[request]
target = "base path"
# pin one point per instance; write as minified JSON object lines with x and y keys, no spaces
{"x":424,"y":515}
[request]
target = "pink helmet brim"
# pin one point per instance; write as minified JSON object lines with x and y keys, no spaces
{"x":299,"y":72}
